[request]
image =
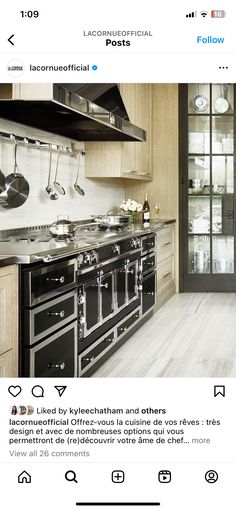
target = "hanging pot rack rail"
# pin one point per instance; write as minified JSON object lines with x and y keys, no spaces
{"x":38,"y":144}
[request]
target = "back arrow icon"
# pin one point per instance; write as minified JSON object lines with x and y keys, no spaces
{"x":10,"y":39}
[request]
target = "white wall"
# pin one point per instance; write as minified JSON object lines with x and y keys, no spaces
{"x":100,"y":195}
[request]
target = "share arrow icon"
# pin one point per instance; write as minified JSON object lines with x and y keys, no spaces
{"x":60,"y":389}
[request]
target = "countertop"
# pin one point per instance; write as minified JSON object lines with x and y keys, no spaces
{"x":17,"y":253}
{"x":7,"y":261}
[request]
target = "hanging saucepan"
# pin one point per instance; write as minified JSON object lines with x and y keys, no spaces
{"x":16,"y":187}
{"x":200,"y":102}
{"x":222,"y":103}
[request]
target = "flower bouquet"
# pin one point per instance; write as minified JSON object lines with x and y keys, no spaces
{"x":131,"y":207}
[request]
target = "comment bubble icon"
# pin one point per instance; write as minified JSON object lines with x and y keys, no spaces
{"x":37,"y":391}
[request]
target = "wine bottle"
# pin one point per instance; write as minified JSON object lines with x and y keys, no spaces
{"x":146,"y":212}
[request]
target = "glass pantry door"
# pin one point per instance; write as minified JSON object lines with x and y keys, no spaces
{"x":207,"y":188}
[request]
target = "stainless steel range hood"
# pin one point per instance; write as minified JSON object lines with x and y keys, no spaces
{"x":86,"y":112}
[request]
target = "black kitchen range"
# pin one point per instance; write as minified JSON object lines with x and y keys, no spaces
{"x":81,"y":296}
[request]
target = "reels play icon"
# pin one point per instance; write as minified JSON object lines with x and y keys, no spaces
{"x":164,"y":476}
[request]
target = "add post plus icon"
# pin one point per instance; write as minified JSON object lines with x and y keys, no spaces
{"x":118,"y":476}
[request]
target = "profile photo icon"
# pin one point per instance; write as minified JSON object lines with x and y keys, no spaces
{"x":13,"y":410}
{"x":22,"y":410}
{"x":211,"y":476}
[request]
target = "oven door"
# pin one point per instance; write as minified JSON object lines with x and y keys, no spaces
{"x":148,"y":292}
{"x":45,"y":319}
{"x":132,"y":281}
{"x":56,"y":356}
{"x":121,"y":287}
{"x":106,"y":292}
{"x":48,"y":281}
{"x":88,"y":307}
{"x":148,"y":263}
{"x":148,"y":243}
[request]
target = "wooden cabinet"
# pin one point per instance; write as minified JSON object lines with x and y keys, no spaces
{"x":165,"y":264}
{"x":6,"y":365}
{"x":137,"y":156}
{"x":132,"y":160}
{"x":9,"y":321}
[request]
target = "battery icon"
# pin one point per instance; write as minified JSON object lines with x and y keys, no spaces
{"x":218,"y":14}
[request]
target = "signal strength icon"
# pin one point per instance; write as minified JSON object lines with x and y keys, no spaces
{"x":191,"y":14}
{"x":204,"y":13}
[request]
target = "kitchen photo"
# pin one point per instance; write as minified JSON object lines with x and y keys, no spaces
{"x":117,"y":230}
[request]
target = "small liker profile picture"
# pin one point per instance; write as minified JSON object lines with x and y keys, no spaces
{"x":13,"y":410}
{"x":30,"y":410}
{"x":22,"y":410}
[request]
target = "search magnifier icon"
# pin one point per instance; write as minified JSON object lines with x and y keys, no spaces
{"x":70,"y":476}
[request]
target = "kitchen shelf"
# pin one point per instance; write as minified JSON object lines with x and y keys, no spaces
{"x":217,"y":195}
{"x":200,"y":154}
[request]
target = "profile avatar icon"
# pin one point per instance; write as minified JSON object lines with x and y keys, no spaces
{"x":13,"y":410}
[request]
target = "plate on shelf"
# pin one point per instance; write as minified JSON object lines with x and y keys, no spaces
{"x":195,"y":191}
{"x":218,"y":189}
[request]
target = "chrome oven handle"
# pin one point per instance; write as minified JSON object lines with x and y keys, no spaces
{"x":88,"y":359}
{"x":61,"y":365}
{"x":110,"y":340}
{"x":60,"y":314}
{"x":60,"y":280}
{"x":106,"y":285}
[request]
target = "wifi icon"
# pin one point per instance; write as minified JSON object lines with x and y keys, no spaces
{"x":204,"y":13}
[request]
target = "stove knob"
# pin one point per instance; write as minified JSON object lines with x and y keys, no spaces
{"x":81,"y":299}
{"x":94,"y":256}
{"x":115,"y":249}
{"x":87,"y":258}
{"x":138,"y":242}
{"x":133,"y":243}
{"x":80,"y":259}
{"x":81,"y":320}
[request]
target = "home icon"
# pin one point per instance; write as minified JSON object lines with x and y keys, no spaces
{"x":24,"y":477}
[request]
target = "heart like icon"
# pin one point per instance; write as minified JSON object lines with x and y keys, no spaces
{"x":15,"y":390}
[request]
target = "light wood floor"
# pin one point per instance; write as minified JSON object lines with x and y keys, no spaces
{"x":192,"y":335}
